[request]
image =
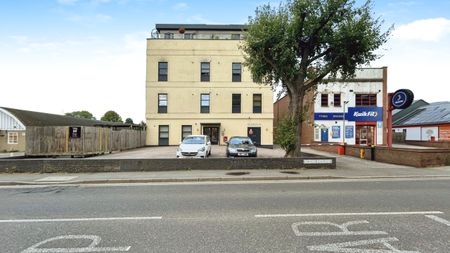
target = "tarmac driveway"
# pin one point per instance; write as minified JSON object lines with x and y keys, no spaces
{"x":170,"y":152}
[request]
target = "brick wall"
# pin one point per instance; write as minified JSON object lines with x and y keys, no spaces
{"x":437,"y":144}
{"x":127,"y":165}
{"x":420,"y":158}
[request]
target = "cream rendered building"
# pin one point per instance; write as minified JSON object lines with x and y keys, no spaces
{"x":197,"y":84}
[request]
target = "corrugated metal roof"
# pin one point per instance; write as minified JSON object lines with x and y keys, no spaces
{"x":203,"y":27}
{"x":31,"y":118}
{"x":434,"y":113}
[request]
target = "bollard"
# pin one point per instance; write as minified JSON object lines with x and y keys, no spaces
{"x":362,"y":153}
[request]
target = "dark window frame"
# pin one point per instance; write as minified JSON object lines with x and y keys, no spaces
{"x":162,"y":108}
{"x":205,"y":72}
{"x":159,"y":135}
{"x":163,"y":72}
{"x":236,"y":72}
{"x":256,"y":108}
{"x":204,"y":108}
{"x":337,"y":99}
{"x":183,"y":132}
{"x":236,"y":103}
{"x":324,"y":100}
{"x":366,"y":99}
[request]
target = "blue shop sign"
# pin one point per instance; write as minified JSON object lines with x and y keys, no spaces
{"x":349,"y":132}
{"x":336,"y":132}
{"x":328,"y":116}
{"x":365,"y":114}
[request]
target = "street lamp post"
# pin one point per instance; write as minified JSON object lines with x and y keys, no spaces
{"x":343,"y":123}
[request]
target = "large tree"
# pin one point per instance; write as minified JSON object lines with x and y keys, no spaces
{"x":81,"y":114}
{"x":111,"y":116}
{"x":301,"y":42}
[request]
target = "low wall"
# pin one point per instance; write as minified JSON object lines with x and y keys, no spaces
{"x":436,"y":144}
{"x":419,"y":158}
{"x":128,"y":165}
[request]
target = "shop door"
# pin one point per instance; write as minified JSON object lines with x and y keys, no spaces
{"x":254,"y":133}
{"x":324,"y":135}
{"x":365,"y":135}
{"x":213,"y":133}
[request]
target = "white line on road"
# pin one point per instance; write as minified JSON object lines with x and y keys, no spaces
{"x":81,"y":219}
{"x":438,"y":219}
{"x":345,"y":214}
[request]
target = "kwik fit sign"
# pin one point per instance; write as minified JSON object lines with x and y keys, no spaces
{"x":365,"y":114}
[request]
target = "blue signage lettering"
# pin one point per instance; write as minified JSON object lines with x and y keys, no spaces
{"x":365,"y":114}
{"x":328,"y":116}
{"x":399,"y":99}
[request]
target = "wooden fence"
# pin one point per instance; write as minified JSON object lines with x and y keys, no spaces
{"x":56,"y":141}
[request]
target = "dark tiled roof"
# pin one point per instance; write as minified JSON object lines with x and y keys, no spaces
{"x":30,"y":118}
{"x":203,"y":27}
{"x":400,"y":115}
{"x":434,"y":113}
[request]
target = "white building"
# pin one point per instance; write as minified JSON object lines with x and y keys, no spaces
{"x":363,"y":101}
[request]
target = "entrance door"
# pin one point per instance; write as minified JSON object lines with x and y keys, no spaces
{"x":213,"y":133}
{"x":365,"y":135}
{"x":324,"y":135}
{"x":254,"y":133}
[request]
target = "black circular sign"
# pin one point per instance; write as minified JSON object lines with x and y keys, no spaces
{"x":402,"y":99}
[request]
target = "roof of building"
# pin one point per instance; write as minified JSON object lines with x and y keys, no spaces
{"x":203,"y":27}
{"x":31,"y":118}
{"x":432,"y":114}
{"x":401,"y":114}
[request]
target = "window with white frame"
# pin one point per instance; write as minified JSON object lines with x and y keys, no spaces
{"x":13,"y":138}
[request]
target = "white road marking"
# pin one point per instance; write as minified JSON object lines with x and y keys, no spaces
{"x":56,"y":179}
{"x":91,"y":248}
{"x":345,"y":214}
{"x":343,"y":227}
{"x":438,"y":219}
{"x":345,"y":246}
{"x":81,"y":219}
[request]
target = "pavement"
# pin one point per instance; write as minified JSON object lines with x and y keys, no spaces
{"x":347,"y":168}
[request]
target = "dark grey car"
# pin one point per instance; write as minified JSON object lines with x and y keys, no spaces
{"x":241,"y":146}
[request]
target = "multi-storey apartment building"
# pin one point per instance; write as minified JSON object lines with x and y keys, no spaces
{"x":197,"y":84}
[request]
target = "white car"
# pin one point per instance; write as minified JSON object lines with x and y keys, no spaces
{"x":194,"y":146}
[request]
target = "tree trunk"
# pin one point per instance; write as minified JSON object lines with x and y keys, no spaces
{"x":296,"y":105}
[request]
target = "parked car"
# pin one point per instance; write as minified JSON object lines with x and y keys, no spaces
{"x":198,"y":146}
{"x":241,"y":146}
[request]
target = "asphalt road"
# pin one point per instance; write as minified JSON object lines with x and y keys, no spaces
{"x":373,"y":216}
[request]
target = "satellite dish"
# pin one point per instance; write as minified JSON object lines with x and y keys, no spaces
{"x":155,"y":34}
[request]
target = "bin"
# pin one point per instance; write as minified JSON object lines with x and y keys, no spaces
{"x":362,"y":153}
{"x":341,"y":149}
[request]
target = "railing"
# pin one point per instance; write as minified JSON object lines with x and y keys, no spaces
{"x":192,"y":36}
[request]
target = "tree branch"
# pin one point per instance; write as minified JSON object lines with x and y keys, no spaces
{"x":319,"y":56}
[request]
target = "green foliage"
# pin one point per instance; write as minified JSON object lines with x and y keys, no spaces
{"x":129,"y":121}
{"x":305,"y":40}
{"x":285,"y":134}
{"x":111,"y":116}
{"x":81,"y":114}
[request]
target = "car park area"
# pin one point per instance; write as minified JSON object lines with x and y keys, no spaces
{"x":170,"y":152}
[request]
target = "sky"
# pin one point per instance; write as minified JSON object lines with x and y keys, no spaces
{"x":59,"y":56}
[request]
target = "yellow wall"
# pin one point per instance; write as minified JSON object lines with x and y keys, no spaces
{"x":184,"y":88}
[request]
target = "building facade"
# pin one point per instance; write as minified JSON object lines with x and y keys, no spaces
{"x":197,"y":84}
{"x":12,"y":132}
{"x":353,"y":111}
{"x":424,"y":122}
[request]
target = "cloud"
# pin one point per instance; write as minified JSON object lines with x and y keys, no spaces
{"x":428,"y":30}
{"x":180,"y":6}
